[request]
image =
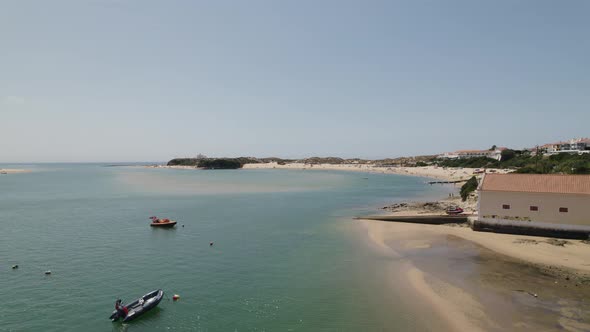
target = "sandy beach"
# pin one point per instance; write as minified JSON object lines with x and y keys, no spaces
{"x":560,"y":255}
{"x":166,"y":166}
{"x":441,"y":173}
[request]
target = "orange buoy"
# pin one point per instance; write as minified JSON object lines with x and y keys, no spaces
{"x":175,"y":297}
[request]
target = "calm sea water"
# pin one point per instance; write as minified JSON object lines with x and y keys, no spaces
{"x":286,"y":255}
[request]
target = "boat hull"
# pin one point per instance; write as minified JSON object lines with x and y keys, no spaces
{"x":140,"y":306}
{"x":163,"y":224}
{"x":454,"y":212}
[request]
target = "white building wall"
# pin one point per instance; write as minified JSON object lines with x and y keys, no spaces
{"x":490,"y":207}
{"x":496,"y":155}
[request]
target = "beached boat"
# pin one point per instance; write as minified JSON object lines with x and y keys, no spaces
{"x":139,"y":306}
{"x":164,"y":223}
{"x":454,"y":210}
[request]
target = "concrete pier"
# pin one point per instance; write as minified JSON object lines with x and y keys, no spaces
{"x":427,"y":219}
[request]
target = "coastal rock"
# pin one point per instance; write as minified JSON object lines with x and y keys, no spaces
{"x":526,"y":241}
{"x":435,"y":207}
{"x":395,"y":207}
{"x":557,"y":242}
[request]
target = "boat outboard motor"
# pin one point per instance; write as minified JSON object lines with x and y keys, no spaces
{"x":115,"y":316}
{"x":119,"y":311}
{"x":118,"y":314}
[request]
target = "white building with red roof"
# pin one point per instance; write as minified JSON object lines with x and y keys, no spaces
{"x":541,"y":200}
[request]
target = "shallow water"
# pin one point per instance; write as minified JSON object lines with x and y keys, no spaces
{"x":503,"y":287}
{"x":284,"y":257}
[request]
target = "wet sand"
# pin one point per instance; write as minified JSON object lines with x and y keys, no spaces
{"x":473,"y":288}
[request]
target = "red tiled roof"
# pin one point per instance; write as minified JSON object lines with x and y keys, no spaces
{"x":537,"y":183}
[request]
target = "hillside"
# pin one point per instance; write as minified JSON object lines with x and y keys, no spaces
{"x":524,"y":162}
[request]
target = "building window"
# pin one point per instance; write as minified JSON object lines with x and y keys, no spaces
{"x":506,"y":206}
{"x":562,"y":209}
{"x":534,"y":208}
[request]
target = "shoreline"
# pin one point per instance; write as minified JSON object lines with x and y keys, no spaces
{"x":466,"y":305}
{"x":439,"y":173}
{"x":551,"y":254}
{"x":456,"y":313}
{"x":169,"y":167}
{"x":497,"y":275}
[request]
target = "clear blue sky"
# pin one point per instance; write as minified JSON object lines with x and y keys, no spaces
{"x":119,"y":80}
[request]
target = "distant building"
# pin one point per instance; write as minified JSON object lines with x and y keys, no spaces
{"x":574,"y":145}
{"x":538,"y":200}
{"x":464,"y":154}
{"x":543,"y":149}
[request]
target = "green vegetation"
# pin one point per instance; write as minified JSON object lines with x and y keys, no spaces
{"x":564,"y":163}
{"x":323,"y":160}
{"x":507,"y":154}
{"x":183,"y":162}
{"x":220,"y":163}
{"x":520,"y":160}
{"x":202,"y":161}
{"x":468,"y":187}
{"x":213,"y":163}
{"x":418,"y":161}
{"x":476,"y":162}
{"x":523,"y":162}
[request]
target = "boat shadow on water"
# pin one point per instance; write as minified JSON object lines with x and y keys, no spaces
{"x":163,"y":228}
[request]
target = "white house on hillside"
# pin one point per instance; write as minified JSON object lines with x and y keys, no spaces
{"x":574,"y":145}
{"x":542,"y":200}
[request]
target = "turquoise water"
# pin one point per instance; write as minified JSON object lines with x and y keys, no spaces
{"x":286,"y":254}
